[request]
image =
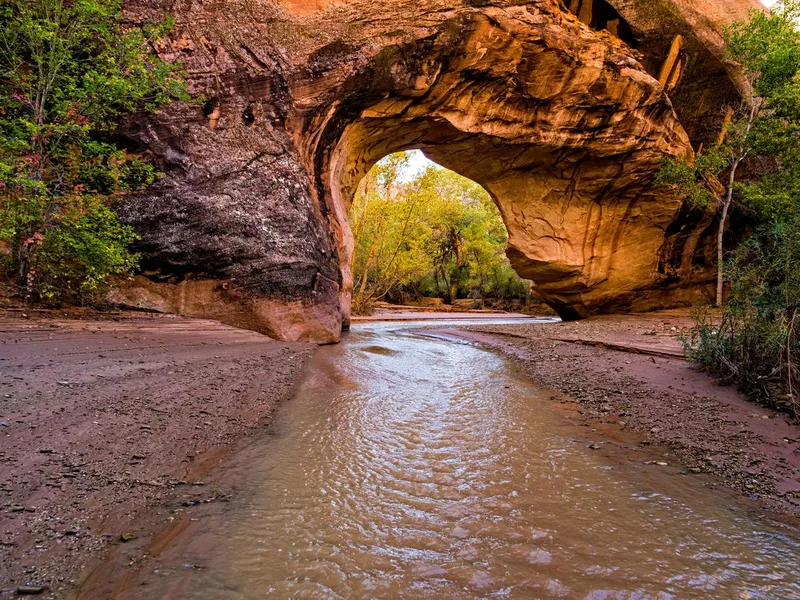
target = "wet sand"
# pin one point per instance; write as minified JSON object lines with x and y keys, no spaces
{"x":110,"y":425}
{"x":628,"y":371}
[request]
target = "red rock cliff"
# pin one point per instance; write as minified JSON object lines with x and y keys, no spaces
{"x":562,"y":111}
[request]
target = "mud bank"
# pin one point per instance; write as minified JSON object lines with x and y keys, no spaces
{"x":109,"y":426}
{"x":628,"y":371}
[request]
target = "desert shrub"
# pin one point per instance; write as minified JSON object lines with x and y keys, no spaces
{"x":754,"y":343}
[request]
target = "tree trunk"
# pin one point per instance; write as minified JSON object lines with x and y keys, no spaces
{"x":361,"y":289}
{"x":458,"y":272}
{"x":720,"y":252}
{"x":726,"y":204}
{"x":452,"y":293}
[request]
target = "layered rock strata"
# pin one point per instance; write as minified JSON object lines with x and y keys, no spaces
{"x":562,"y":111}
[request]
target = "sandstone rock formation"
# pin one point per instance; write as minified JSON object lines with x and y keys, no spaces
{"x":562,"y":111}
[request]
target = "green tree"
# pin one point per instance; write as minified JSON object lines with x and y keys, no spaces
{"x":388,"y":218}
{"x":755,"y":344}
{"x":468,"y":238}
{"x":764,"y":124}
{"x":436,"y":234}
{"x":69,"y":71}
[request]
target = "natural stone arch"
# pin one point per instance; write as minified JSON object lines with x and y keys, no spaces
{"x":563,"y":122}
{"x":565,"y":145}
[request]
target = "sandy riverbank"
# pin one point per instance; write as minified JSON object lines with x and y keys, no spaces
{"x":110,"y":424}
{"x":627,"y":371}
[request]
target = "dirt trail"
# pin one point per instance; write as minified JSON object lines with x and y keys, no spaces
{"x":109,"y":426}
{"x":628,"y":370}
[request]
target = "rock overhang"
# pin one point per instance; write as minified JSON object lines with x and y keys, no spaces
{"x":562,"y":123}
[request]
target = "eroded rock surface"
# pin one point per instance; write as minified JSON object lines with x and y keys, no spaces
{"x":562,"y":111}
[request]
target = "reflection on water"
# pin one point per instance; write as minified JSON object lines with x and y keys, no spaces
{"x":412,"y":467}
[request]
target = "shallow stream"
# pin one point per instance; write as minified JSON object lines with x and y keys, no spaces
{"x":410,"y":466}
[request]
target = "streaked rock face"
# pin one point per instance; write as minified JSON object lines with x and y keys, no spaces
{"x":562,"y":112}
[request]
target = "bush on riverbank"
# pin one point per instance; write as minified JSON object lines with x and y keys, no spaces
{"x":755,"y":344}
{"x":69,"y":72}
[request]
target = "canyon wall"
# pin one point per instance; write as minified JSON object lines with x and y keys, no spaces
{"x":562,"y":111}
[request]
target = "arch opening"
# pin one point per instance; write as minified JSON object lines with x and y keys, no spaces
{"x":577,"y":225}
{"x":425,"y":235}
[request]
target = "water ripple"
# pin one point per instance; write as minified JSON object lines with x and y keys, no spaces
{"x":411,"y":467}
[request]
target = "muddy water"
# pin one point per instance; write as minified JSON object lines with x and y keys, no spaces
{"x":415,"y":467}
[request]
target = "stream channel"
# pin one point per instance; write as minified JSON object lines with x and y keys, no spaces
{"x":413,"y":466}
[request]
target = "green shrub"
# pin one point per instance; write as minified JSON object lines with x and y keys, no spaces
{"x":82,"y":255}
{"x":754,"y":343}
{"x":68,"y":73}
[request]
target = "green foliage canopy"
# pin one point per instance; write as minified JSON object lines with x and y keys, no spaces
{"x":437,"y":235}
{"x":69,"y":71}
